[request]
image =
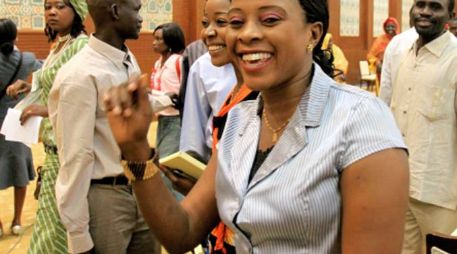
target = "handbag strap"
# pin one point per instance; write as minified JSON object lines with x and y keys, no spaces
{"x":178,"y":68}
{"x":3,"y":92}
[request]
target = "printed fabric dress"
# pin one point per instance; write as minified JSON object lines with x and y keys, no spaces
{"x":49,"y":235}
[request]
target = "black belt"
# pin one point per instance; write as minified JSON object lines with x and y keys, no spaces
{"x":50,"y":149}
{"x":111,"y":180}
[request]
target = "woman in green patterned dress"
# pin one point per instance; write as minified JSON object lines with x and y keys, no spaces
{"x":65,"y":29}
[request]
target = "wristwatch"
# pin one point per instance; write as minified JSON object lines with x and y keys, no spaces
{"x":140,"y":170}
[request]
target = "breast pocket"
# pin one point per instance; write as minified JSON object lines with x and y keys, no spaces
{"x":435,"y":102}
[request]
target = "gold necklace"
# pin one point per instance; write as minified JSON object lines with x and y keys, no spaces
{"x":276,"y":131}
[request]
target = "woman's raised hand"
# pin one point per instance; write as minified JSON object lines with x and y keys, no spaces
{"x":129,"y":114}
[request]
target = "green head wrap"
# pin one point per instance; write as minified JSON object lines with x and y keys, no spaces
{"x":80,"y":7}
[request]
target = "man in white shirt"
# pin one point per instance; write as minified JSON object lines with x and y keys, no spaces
{"x":392,"y":58}
{"x":424,"y":106}
{"x":94,"y":198}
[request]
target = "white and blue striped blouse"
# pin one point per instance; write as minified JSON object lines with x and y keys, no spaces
{"x":293,"y":203}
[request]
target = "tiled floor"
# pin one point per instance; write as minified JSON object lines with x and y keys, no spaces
{"x":10,"y":244}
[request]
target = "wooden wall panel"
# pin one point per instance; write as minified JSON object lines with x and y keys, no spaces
{"x":33,"y":41}
{"x":356,"y":48}
{"x":188,"y":14}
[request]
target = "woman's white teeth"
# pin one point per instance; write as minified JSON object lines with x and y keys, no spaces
{"x":256,"y":56}
{"x":215,"y":47}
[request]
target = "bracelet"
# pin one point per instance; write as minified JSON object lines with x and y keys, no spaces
{"x":140,"y":170}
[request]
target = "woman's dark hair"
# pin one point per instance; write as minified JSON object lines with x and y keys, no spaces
{"x":8,"y":33}
{"x":317,"y":11}
{"x":77,"y":26}
{"x":173,"y":37}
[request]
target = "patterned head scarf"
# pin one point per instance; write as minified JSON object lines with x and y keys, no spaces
{"x":80,"y":8}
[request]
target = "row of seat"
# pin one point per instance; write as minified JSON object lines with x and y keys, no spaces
{"x":441,"y":244}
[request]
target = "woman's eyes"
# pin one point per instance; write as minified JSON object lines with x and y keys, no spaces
{"x":221,"y":22}
{"x":58,"y":6}
{"x":205,"y":23}
{"x":270,"y":20}
{"x":235,"y":22}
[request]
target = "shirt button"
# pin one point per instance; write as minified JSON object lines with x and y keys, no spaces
{"x":405,"y":112}
{"x":403,"y":135}
{"x":409,"y":89}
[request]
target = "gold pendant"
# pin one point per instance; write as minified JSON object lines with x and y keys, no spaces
{"x":274,"y":137}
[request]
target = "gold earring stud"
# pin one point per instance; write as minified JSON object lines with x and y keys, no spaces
{"x":310,"y":47}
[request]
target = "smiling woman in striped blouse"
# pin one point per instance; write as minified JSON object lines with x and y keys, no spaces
{"x":308,"y":167}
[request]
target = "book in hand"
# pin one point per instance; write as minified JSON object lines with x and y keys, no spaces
{"x":184,"y":162}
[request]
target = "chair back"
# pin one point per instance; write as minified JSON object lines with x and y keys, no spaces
{"x":439,"y":242}
{"x":364,"y":68}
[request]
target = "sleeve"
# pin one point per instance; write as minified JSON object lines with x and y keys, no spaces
{"x":372,"y":55}
{"x":34,"y":63}
{"x":159,"y":101}
{"x":37,"y":64}
{"x":369,"y":128}
{"x":196,"y":115}
{"x":78,"y":100}
{"x":385,"y":93}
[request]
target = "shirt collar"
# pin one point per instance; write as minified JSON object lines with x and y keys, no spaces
{"x":438,"y":45}
{"x":312,"y":104}
{"x":313,"y":101}
{"x":117,"y":56}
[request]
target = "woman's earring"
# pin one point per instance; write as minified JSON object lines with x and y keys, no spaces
{"x":310,"y":47}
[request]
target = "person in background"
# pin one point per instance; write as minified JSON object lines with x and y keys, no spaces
{"x":65,"y":29}
{"x":169,"y":42}
{"x":375,"y":55}
{"x":302,"y":169}
{"x":94,"y":198}
{"x":211,"y":78}
{"x":340,"y":63}
{"x":424,"y":104}
{"x":191,"y":53}
{"x":16,"y":164}
{"x":393,"y":56}
{"x":166,"y":77}
{"x":453,"y":26}
{"x":212,"y":97}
